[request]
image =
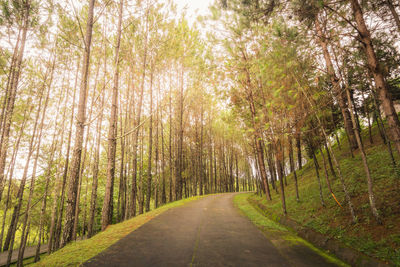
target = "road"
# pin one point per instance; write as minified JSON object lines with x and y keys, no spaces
{"x":29,"y":252}
{"x":206,"y":232}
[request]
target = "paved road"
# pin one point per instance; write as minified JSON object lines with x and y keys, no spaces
{"x":207,"y":232}
{"x":29,"y":252}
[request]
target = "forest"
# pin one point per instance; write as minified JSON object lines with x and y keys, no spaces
{"x":112,"y":108}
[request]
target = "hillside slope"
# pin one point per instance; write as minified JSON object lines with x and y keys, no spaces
{"x":367,"y":236}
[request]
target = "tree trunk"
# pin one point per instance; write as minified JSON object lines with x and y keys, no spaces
{"x":292,"y":169}
{"x":371,"y":195}
{"x":107,"y":211}
{"x":137,"y":124}
{"x":336,"y":86}
{"x":163,"y":192}
{"x":279,"y":167}
{"x":150,"y":147}
{"x":318,"y":178}
{"x":260,"y":153}
{"x":27,"y":214}
{"x":170,"y":141}
{"x":80,"y":127}
{"x":179,"y":158}
{"x":396,"y":18}
{"x":93,"y":199}
{"x":380,"y":83}
{"x":58,"y":181}
{"x":298,"y":147}
{"x":8,"y":200}
{"x":9,"y":242}
{"x":57,"y":233}
{"x":13,"y":87}
{"x":344,"y":186}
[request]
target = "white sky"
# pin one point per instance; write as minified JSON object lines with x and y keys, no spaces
{"x":194,"y":8}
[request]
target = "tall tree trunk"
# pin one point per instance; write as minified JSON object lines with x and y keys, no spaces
{"x":260,"y":153}
{"x":279,"y":167}
{"x":201,"y":170}
{"x":156,"y":152}
{"x":163,"y":192}
{"x":371,"y":194}
{"x":298,"y":147}
{"x":9,"y":241}
{"x":382,"y":130}
{"x":179,"y":158}
{"x":93,"y":199}
{"x":82,"y":167}
{"x":13,"y":88}
{"x":367,"y":115}
{"x":107,"y":211}
{"x":237,"y":173}
{"x":271,"y":167}
{"x":137,"y":124}
{"x":141,"y":182}
{"x":344,"y":186}
{"x":122,"y":177}
{"x":170,"y":140}
{"x":58,"y":181}
{"x":33,"y":178}
{"x":321,"y":196}
{"x":57,"y":233}
{"x":150,"y":154}
{"x":8,"y":200}
{"x":392,"y":9}
{"x":210,"y":154}
{"x":336,"y":85}
{"x":292,"y":168}
{"x":10,"y":78}
{"x":380,"y":83}
{"x":47,"y":175}
{"x":80,"y":127}
{"x":328,"y":183}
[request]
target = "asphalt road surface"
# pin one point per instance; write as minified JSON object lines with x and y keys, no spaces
{"x":206,"y":232}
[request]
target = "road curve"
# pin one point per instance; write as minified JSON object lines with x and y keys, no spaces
{"x":206,"y":232}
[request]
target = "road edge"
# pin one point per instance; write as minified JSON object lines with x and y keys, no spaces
{"x":320,"y":241}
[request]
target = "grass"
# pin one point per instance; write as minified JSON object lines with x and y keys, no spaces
{"x":76,"y":253}
{"x":367,"y":236}
{"x":274,"y":231}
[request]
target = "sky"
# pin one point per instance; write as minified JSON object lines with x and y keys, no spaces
{"x":194,"y":7}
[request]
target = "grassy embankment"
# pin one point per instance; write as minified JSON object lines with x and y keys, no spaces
{"x":275,"y":232}
{"x":367,"y":236}
{"x":78,"y":252}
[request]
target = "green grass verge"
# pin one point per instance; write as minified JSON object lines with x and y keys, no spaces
{"x":78,"y":252}
{"x":367,"y":236}
{"x":276,"y":232}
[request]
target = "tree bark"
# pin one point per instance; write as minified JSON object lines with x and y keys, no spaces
{"x":107,"y":211}
{"x":13,"y":88}
{"x":279,"y":167}
{"x":380,"y":83}
{"x":80,"y":127}
{"x":318,"y":178}
{"x":371,"y":194}
{"x":340,"y":95}
{"x":292,"y":169}
{"x":150,"y":147}
{"x":392,"y":9}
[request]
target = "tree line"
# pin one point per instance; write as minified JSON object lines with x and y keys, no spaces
{"x":112,"y":108}
{"x":108,"y":110}
{"x":302,"y":73}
